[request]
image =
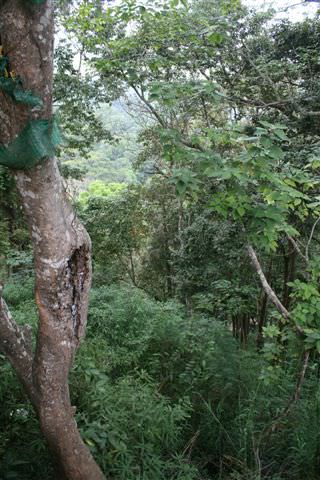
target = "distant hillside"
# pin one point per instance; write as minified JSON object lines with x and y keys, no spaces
{"x":112,"y":161}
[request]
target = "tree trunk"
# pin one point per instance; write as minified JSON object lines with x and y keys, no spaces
{"x":61,"y":248}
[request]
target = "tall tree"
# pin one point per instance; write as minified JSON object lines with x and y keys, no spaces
{"x":61,"y":245}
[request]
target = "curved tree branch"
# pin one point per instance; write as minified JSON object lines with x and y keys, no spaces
{"x":267,"y":288}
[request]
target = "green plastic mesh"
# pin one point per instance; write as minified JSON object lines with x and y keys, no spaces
{"x":37,"y":141}
{"x":13,"y":87}
{"x":3,"y":64}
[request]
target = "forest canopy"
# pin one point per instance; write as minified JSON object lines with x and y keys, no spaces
{"x":191,"y":154}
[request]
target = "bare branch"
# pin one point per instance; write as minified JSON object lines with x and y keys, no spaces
{"x":310,"y":238}
{"x":268,"y":290}
{"x":265,"y":285}
{"x":148,"y":105}
{"x":294,"y":5}
{"x":297,"y":248}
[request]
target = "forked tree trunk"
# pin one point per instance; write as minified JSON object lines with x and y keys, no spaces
{"x":61,"y":249}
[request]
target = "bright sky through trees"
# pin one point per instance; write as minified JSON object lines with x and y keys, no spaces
{"x":295,"y":10}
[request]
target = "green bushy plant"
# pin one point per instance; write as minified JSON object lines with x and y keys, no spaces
{"x":139,"y":433}
{"x":19,"y":290}
{"x":162,"y":395}
{"x":232,"y":400}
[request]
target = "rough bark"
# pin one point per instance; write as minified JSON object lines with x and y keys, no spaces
{"x":61,"y":249}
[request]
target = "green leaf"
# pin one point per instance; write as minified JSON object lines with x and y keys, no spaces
{"x":280,"y":134}
{"x":275,"y":152}
{"x":216,"y":38}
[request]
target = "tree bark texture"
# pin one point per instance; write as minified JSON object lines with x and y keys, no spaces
{"x":62,"y":250}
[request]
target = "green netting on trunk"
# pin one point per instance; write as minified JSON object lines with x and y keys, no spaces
{"x":37,"y":141}
{"x":14,"y":88}
{"x":4,"y":61}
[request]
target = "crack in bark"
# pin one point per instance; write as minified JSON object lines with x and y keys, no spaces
{"x":77,"y":273}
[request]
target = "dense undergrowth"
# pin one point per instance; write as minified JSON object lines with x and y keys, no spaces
{"x":162,"y":395}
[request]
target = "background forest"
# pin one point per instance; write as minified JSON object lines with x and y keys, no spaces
{"x":191,"y":151}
